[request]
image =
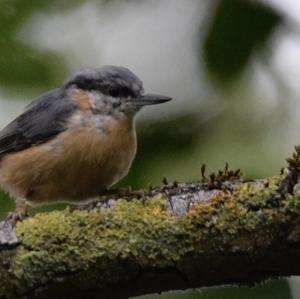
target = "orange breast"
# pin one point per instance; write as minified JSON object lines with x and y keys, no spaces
{"x":78,"y":164}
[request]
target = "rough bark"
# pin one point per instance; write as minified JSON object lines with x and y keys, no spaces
{"x":217,"y":231}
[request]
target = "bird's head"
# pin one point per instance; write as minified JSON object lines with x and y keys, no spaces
{"x":115,"y":90}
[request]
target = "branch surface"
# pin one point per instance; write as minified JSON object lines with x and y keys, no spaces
{"x":219,"y":231}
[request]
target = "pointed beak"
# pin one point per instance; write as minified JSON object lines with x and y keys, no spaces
{"x":151,"y":99}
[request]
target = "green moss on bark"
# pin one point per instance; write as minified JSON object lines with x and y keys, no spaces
{"x":97,"y":249}
{"x":66,"y":242}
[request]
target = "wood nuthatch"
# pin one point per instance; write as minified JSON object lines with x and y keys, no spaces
{"x":74,"y":142}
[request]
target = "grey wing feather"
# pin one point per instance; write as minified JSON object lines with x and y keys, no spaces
{"x":43,"y":119}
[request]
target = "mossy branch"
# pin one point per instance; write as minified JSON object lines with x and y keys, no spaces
{"x":217,"y":231}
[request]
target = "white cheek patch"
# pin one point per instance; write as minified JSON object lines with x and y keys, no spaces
{"x":97,"y":101}
{"x":116,"y":107}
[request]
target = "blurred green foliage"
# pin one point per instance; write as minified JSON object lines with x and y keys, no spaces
{"x":178,"y":136}
{"x":23,"y":66}
{"x":236,"y":30}
{"x":7,"y":205}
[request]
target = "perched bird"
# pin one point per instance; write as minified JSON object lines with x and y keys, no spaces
{"x":74,"y":142}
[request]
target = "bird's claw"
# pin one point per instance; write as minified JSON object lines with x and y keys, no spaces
{"x":19,"y":214}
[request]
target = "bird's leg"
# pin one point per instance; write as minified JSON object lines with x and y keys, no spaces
{"x":20,"y":213}
{"x":108,"y":194}
{"x":125,"y":192}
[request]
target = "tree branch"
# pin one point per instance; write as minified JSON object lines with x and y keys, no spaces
{"x":217,"y":231}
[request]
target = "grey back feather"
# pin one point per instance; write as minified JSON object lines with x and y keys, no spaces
{"x":43,"y":119}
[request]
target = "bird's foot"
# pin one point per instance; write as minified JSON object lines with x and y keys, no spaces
{"x":125,"y":192}
{"x":109,"y":197}
{"x":19,"y":214}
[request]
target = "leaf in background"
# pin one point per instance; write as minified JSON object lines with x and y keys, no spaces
{"x":238,"y":28}
{"x":22,"y":65}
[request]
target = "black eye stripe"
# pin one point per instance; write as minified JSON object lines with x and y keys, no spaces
{"x":114,"y":91}
{"x":120,"y":92}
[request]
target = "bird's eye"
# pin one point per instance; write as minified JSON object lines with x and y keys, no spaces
{"x":120,"y":92}
{"x":114,"y":92}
